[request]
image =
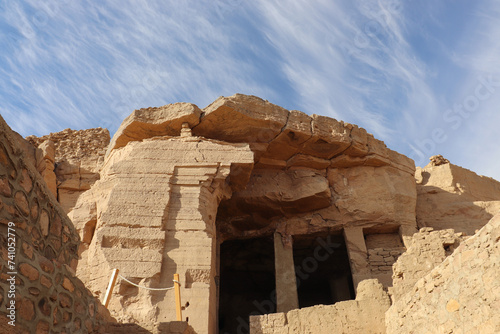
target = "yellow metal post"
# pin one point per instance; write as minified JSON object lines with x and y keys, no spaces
{"x":177,"y":286}
{"x":111,"y":285}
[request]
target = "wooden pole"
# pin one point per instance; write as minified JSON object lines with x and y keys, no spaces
{"x":111,"y":285}
{"x":177,"y":297}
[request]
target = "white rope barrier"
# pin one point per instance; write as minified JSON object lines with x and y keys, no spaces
{"x":177,"y":287}
{"x":145,"y":287}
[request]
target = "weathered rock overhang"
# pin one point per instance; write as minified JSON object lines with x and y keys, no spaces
{"x":302,"y":165}
{"x":280,"y":138}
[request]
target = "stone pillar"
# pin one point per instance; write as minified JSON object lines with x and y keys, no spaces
{"x":406,"y":233}
{"x":190,"y":245}
{"x":286,"y":284}
{"x":358,"y":254}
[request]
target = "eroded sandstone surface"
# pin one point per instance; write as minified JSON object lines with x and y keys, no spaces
{"x":71,"y":161}
{"x":460,"y":295}
{"x":450,"y":196}
{"x":245,"y":195}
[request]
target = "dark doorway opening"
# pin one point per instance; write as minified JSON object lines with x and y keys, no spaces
{"x":322,"y":269}
{"x":247,"y":283}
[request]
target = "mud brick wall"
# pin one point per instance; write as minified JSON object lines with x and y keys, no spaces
{"x":383,"y":251}
{"x":382,"y":259}
{"x":49,"y":298}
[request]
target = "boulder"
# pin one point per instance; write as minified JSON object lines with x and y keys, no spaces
{"x":155,"y":122}
{"x":241,"y":119}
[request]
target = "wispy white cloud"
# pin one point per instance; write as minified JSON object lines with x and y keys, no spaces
{"x":473,"y":144}
{"x":368,"y":63}
{"x":83,"y":64}
{"x":378,"y":64}
{"x":351,"y":60}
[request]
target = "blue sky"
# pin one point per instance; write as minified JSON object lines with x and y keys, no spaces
{"x":424,"y":76}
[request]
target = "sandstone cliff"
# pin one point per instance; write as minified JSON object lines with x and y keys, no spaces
{"x":178,"y":181}
{"x":177,"y":184}
{"x":450,"y":196}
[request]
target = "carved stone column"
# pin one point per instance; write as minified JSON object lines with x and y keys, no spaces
{"x":358,"y":254}
{"x":286,"y":284}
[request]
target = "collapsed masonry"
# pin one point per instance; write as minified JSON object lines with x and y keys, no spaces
{"x":262,"y":211}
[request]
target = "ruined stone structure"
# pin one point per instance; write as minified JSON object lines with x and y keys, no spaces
{"x":276,"y":221}
{"x":71,"y":161}
{"x":366,"y":314}
{"x":460,"y":295}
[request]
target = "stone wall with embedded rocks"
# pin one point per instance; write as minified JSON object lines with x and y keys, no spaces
{"x":383,"y":249}
{"x":48,"y":297}
{"x":363,"y":315}
{"x":75,"y":157}
{"x":381,"y":261}
{"x":461,"y":295}
{"x":426,"y":250}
